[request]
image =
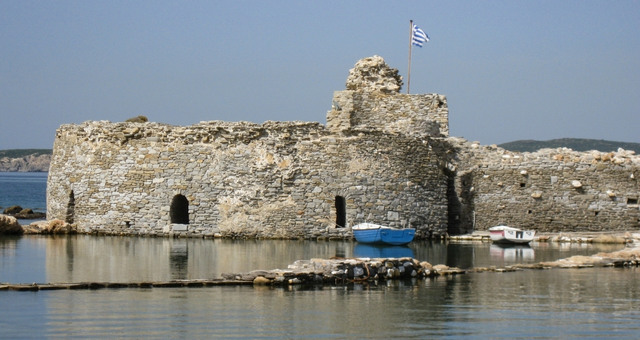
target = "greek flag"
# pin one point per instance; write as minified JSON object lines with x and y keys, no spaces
{"x":418,"y":37}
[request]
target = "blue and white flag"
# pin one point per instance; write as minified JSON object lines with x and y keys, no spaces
{"x":418,"y":37}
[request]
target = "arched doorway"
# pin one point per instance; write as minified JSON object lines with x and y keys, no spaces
{"x":341,"y":212}
{"x":179,"y":210}
{"x":71,"y":208}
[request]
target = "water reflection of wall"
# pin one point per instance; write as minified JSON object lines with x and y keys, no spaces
{"x":179,"y":259}
{"x":103,"y":259}
{"x":8,"y":246}
{"x":84,"y":258}
{"x":124,"y":259}
{"x":483,"y":254}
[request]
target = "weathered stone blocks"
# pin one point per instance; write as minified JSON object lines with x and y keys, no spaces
{"x":383,"y":157}
{"x":273,"y":180}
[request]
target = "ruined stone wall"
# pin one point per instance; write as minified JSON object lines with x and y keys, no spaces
{"x":550,"y":190}
{"x":384,"y":157}
{"x":273,"y":180}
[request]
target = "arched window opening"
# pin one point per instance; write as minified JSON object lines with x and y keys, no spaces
{"x":179,"y":210}
{"x":71,"y":208}
{"x":341,"y":212}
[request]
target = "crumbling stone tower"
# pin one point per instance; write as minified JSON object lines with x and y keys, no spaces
{"x":372,"y":101}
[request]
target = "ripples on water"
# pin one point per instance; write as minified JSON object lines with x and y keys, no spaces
{"x":528,"y":304}
{"x":533,"y":303}
{"x":577,"y":303}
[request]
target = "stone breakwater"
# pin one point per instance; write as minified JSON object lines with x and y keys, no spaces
{"x":302,"y":272}
{"x":341,"y":271}
{"x":349,"y":271}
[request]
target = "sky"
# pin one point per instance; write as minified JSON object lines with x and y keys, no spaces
{"x":511,"y":70}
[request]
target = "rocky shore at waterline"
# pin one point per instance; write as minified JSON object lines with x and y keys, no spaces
{"x":11,"y":225}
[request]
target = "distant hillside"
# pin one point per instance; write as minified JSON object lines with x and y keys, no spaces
{"x":577,"y":144}
{"x":17,"y":153}
{"x":27,"y":160}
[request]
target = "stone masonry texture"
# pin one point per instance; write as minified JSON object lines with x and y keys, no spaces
{"x":383,"y":157}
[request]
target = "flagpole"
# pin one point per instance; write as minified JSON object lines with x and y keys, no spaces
{"x":409,"y":71}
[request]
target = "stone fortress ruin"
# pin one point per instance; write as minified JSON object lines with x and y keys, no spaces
{"x":382,"y":157}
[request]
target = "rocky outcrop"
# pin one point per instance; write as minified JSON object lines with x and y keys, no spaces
{"x":628,"y":257}
{"x":12,"y":210}
{"x":53,"y":227}
{"x":30,"y":163}
{"x":21,"y":213}
{"x":9,"y":225}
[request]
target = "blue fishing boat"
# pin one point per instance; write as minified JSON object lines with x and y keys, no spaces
{"x":377,"y":234}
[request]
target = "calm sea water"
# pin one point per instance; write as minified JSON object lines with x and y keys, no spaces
{"x":583,"y":303}
{"x":26,"y":189}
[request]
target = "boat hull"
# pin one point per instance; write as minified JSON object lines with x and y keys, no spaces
{"x":376,"y":234}
{"x":397,"y":237}
{"x":503,"y":234}
{"x":368,"y":235}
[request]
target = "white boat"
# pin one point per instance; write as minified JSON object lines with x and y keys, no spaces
{"x":504,"y":234}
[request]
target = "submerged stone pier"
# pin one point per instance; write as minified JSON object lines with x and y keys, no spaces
{"x":348,"y":271}
{"x":302,"y":272}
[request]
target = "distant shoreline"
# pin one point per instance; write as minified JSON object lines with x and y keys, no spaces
{"x":25,"y":171}
{"x":38,"y":161}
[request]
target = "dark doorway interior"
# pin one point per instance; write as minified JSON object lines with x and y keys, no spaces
{"x":179,"y":211}
{"x":341,"y":212}
{"x":71,"y":208}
